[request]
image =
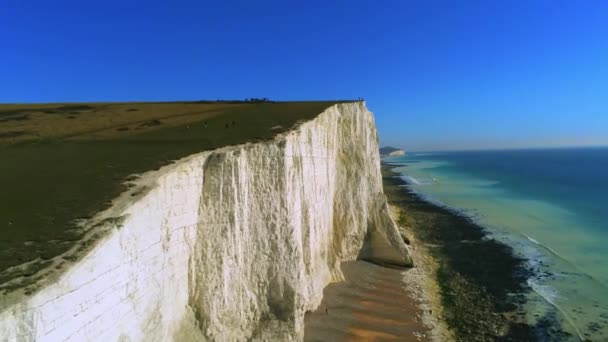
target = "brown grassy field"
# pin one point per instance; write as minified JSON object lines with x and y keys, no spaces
{"x":20,"y":123}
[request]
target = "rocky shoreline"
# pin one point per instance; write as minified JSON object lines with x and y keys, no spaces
{"x":478,"y":282}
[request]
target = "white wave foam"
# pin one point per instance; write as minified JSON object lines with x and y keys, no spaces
{"x":550,"y":295}
{"x":415,"y":181}
{"x":418,"y":181}
{"x":545,"y":247}
{"x":531,"y":239}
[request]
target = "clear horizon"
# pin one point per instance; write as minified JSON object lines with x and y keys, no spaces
{"x":565,"y":147}
{"x":438,"y":75}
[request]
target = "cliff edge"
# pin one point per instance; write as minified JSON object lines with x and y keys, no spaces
{"x":232,"y":244}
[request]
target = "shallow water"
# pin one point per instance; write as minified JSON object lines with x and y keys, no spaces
{"x":549,"y":205}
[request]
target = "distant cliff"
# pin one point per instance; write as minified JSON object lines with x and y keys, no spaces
{"x":391,"y":151}
{"x":232,"y":244}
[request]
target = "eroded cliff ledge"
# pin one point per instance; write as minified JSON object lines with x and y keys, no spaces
{"x":232,"y":244}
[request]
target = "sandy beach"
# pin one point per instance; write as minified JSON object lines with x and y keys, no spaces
{"x":373,"y":303}
{"x":379,"y":303}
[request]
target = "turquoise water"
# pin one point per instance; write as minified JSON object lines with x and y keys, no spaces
{"x":550,"y":205}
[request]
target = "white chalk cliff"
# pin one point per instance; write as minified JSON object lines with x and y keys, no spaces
{"x":397,"y":153}
{"x":227,"y":245}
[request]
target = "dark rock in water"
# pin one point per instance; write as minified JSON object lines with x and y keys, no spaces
{"x":595,"y":327}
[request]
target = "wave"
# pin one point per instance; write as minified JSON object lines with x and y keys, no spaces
{"x":549,"y":295}
{"x":531,"y":239}
{"x":577,"y":269}
{"x":415,"y":181}
{"x":546,"y":247}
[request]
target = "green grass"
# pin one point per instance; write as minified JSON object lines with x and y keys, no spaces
{"x":46,"y":184}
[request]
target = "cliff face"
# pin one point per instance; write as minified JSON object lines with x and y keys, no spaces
{"x":232,"y":244}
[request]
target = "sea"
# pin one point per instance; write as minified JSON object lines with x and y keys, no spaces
{"x":549,"y":205}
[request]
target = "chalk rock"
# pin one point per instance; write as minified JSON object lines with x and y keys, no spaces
{"x":228,"y":245}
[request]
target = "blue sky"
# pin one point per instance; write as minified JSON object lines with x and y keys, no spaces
{"x":437,"y":74}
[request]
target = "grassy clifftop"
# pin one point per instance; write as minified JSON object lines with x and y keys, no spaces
{"x":63,"y":162}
